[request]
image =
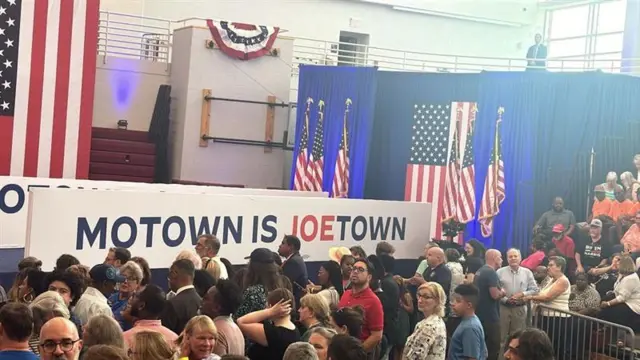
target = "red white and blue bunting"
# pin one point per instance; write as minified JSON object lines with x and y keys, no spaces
{"x":243,"y":41}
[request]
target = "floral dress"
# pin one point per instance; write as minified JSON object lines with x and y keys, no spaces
{"x":428,"y":341}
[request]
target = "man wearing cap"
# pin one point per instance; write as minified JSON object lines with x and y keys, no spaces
{"x":563,"y":243}
{"x":94,"y":300}
{"x":595,"y":252}
{"x":557,"y":215}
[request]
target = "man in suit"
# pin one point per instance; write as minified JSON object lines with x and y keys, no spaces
{"x":185,"y":304}
{"x":294,"y":267}
{"x":537,"y":55}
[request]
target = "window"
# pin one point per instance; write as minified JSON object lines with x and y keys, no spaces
{"x":611,"y":16}
{"x":609,"y":43}
{"x":569,"y":47}
{"x":608,"y":62}
{"x":569,"y":22}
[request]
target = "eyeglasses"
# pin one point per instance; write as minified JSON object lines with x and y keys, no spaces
{"x":66,"y":345}
{"x":426,"y":296}
{"x":358,"y":269}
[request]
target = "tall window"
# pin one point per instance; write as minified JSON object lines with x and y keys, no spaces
{"x":587,"y":36}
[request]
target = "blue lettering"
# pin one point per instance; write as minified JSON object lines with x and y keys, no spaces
{"x":379,"y":227}
{"x":165,"y":231}
{"x":343,"y":220}
{"x":363,"y":222}
{"x":234,"y":229}
{"x":398,"y":228}
{"x":3,"y":198}
{"x":85,"y":232}
{"x":203,"y":228}
{"x":150,"y":222}
{"x":133,"y":232}
{"x":269,"y":223}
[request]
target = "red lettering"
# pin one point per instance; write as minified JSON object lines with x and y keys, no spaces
{"x":308,"y":236}
{"x":294,"y":231}
{"x":326,"y":225}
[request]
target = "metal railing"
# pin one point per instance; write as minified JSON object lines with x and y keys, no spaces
{"x":576,"y":336}
{"x":136,"y":37}
{"x":146,"y":38}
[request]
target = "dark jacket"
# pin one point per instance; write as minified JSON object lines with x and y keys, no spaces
{"x":295,"y":269}
{"x":180,"y":309}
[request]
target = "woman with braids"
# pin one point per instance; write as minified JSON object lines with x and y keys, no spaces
{"x":329,"y":283}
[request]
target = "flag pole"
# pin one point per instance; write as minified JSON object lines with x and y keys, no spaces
{"x":592,"y":157}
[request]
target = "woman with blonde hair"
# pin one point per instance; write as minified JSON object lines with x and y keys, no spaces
{"x":429,"y":340}
{"x":314,"y":312}
{"x":150,"y":345}
{"x":45,"y":307}
{"x":198,"y":339}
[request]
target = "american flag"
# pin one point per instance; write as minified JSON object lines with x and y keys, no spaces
{"x":47,"y":76}
{"x":452,"y":180}
{"x":427,"y":168}
{"x":300,"y":181}
{"x":466,"y":204}
{"x":316,"y":162}
{"x":341,"y":176}
{"x":494,"y":188}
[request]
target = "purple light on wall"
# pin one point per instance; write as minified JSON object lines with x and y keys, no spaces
{"x":124,"y":79}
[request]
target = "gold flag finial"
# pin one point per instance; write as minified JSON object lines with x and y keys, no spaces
{"x":309,"y":102}
{"x":320,"y":105}
{"x":500,"y":110}
{"x":475,"y":107}
{"x":348,"y":102}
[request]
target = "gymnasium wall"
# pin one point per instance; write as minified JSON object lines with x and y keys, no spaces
{"x":127,"y":89}
{"x":388,"y":28}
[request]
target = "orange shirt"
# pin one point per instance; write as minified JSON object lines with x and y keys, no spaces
{"x":621,"y":208}
{"x":601,"y":207}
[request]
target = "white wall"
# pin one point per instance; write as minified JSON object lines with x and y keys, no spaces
{"x":388,"y":28}
{"x":195,"y":68}
{"x":127,"y":89}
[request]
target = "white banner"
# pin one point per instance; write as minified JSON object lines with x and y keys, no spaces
{"x":14,"y":197}
{"x":157,"y":226}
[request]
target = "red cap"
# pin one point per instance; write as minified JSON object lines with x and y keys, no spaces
{"x":558,"y":228}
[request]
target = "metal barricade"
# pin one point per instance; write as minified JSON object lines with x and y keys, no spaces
{"x":580,"y":337}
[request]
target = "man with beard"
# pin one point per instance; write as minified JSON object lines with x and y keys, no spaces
{"x":361,"y":295}
{"x":146,"y":308}
{"x":59,"y":340}
{"x":220,"y":303}
{"x":594,"y":252}
{"x":557,"y":215}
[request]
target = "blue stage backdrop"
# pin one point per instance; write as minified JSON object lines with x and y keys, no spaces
{"x":333,"y":85}
{"x":550,"y":124}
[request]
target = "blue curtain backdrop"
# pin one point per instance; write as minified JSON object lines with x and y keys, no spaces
{"x":551,"y":122}
{"x":334,"y":85}
{"x":397,"y":93}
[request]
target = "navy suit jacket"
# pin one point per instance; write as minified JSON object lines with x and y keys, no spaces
{"x":295,"y":269}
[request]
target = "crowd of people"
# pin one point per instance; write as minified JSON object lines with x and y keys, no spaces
{"x":269,"y":309}
{"x":461,"y":303}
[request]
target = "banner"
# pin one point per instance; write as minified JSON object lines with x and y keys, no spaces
{"x":157,"y":226}
{"x":14,"y":196}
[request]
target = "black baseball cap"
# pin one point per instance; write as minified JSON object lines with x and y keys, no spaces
{"x":104,"y":272}
{"x":261,"y":255}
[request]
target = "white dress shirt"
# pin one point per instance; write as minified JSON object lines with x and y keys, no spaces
{"x":91,"y":303}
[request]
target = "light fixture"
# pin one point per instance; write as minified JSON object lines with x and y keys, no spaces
{"x":123,"y":124}
{"x":458,"y":16}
